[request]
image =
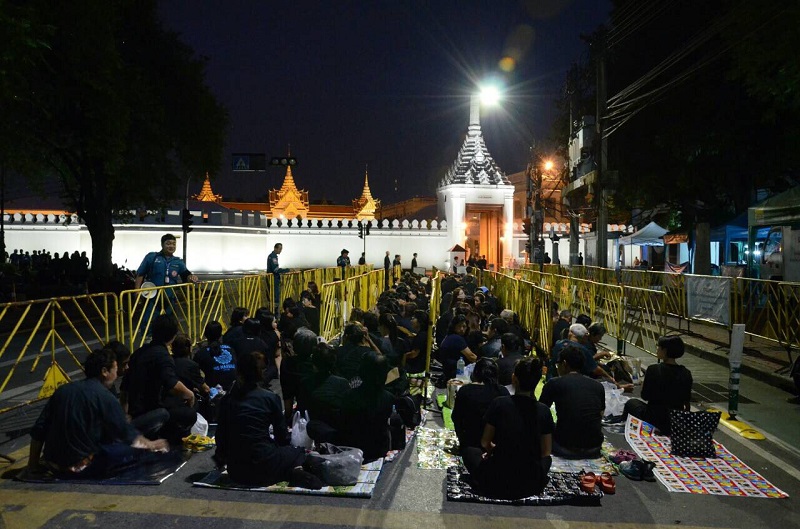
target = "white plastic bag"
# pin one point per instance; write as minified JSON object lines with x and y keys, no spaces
{"x":615,"y":400}
{"x":200,"y":426}
{"x":300,"y":437}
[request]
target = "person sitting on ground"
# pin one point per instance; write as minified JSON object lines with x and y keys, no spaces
{"x":416,"y":358}
{"x":150,"y":377}
{"x":295,"y":371}
{"x":355,"y":344}
{"x":366,"y":409}
{"x":327,"y":392}
{"x":238,"y":315}
{"x":516,"y":440}
{"x":310,"y":311}
{"x":187,"y":370}
{"x":561,"y":327}
{"x":123,"y":357}
{"x":83,"y":428}
{"x":472,"y":401}
{"x":596,"y":332}
{"x":510,"y":354}
{"x":580,"y":403}
{"x":252,"y":439}
{"x":491,"y":349}
{"x":216,"y":359}
{"x":272,"y":337}
{"x":667,"y":386}
{"x":580,"y":335}
{"x":454,"y":346}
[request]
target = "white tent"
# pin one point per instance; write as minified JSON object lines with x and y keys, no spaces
{"x":650,"y":235}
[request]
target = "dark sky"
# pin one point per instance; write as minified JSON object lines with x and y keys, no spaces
{"x":378,"y":83}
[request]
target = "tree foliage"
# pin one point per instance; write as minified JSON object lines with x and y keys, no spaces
{"x":117,"y":112}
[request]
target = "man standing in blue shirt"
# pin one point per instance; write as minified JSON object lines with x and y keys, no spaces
{"x":164,"y":268}
{"x":343,"y":261}
{"x":276,"y":271}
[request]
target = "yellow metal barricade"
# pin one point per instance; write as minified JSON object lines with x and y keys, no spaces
{"x":217,"y":299}
{"x":333,"y":310}
{"x":58,"y":328}
{"x":757,"y":304}
{"x":433,"y":315}
{"x":644,"y":317}
{"x":609,"y":309}
{"x":673,"y":287}
{"x":140,"y":307}
{"x":790,"y":294}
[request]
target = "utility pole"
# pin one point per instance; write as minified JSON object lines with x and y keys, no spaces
{"x":601,"y":193}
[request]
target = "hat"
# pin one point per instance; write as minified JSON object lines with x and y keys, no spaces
{"x":345,"y":251}
{"x":578,"y":330}
{"x":167,"y":237}
{"x":485,"y":290}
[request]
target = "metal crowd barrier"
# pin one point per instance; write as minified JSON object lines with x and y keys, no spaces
{"x":334,"y":310}
{"x":644,"y":318}
{"x":140,"y":307}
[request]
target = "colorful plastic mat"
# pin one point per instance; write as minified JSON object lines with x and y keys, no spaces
{"x":724,"y":475}
{"x":362,"y":489}
{"x":598,"y":466}
{"x":563,"y":489}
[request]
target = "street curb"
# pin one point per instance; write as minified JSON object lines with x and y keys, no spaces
{"x":773,"y":379}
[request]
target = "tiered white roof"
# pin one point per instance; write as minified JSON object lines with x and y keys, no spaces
{"x":474,"y":164}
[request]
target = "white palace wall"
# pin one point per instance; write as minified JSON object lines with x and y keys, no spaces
{"x":228,"y":242}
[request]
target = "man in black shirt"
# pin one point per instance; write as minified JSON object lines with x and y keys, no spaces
{"x":83,"y":429}
{"x":580,"y":403}
{"x":511,"y":349}
{"x":561,"y":327}
{"x":151,"y":375}
{"x":387,"y":263}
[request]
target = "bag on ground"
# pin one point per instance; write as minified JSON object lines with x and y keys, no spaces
{"x":336,"y":465}
{"x":200,"y":426}
{"x":300,"y":436}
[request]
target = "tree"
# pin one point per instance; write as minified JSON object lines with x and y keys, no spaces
{"x":119,"y":113}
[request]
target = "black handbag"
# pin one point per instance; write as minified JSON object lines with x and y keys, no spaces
{"x":693,"y":433}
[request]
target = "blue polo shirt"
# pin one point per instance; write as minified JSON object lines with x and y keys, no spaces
{"x":162,"y":270}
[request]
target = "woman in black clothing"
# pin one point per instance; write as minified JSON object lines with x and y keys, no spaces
{"x":238,"y":315}
{"x":416,"y":358}
{"x":667,"y":386}
{"x":473,"y":400}
{"x":270,"y":335}
{"x":454,"y":346}
{"x":243,"y":438}
{"x":516,"y":440}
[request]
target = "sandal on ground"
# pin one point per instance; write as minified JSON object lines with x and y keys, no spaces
{"x":607,"y":483}
{"x":588,"y":481}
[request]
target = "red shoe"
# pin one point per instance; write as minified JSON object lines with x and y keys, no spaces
{"x":588,"y":481}
{"x":607,"y":483}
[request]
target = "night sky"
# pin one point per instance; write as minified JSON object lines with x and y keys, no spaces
{"x":376,"y":83}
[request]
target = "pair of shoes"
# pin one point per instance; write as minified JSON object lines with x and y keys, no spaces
{"x":638,"y":470}
{"x":794,"y":400}
{"x":607,"y":483}
{"x":623,"y":455}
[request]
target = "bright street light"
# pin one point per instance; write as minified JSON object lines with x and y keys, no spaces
{"x":490,"y":95}
{"x":548,"y":165}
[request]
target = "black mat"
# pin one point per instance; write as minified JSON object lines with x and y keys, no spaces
{"x":153,"y":469}
{"x":563,"y":489}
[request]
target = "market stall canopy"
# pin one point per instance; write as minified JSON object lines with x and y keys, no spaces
{"x":782,"y":209}
{"x":650,"y":235}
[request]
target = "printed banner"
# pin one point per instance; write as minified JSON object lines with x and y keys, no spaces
{"x":709,"y":298}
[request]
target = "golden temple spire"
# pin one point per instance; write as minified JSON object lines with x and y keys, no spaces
{"x":365,"y":206}
{"x":206,"y":194}
{"x":288,"y":201}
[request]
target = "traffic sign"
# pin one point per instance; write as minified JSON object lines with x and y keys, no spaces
{"x":249,"y":162}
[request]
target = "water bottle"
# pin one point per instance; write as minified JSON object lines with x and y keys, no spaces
{"x":460,"y":369}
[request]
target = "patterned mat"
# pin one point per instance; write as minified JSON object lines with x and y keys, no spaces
{"x":599,"y":465}
{"x":724,"y":475}
{"x":436,"y":448}
{"x":563,"y":489}
{"x":362,"y":489}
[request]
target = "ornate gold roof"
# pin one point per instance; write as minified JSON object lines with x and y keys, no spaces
{"x":288,"y":200}
{"x":365,"y":207}
{"x":206,"y":194}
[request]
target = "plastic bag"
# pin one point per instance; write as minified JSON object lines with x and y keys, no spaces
{"x":300,"y":436}
{"x":615,"y":400}
{"x":337,"y":465}
{"x":200,"y":426}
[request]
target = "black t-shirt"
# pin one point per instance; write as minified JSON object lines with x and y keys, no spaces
{"x":348,"y":360}
{"x":505,"y":366}
{"x":558,"y":330}
{"x":472,"y":401}
{"x":514,"y":468}
{"x":580,"y":402}
{"x":419,"y":343}
{"x":365,"y":418}
{"x":449,"y":353}
{"x":218,"y":365}
{"x":666,"y":387}
{"x":325,"y":400}
{"x":151,"y":374}
{"x":243,"y":432}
